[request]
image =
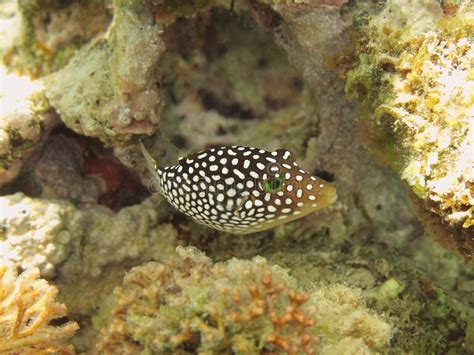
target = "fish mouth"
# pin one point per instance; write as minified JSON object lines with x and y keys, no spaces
{"x":328,"y":195}
{"x":332,"y":194}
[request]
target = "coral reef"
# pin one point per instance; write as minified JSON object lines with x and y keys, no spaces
{"x":28,"y":311}
{"x":243,"y":306}
{"x":414,"y":77}
{"x":269,"y":74}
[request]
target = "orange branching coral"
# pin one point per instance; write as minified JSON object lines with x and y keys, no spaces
{"x":27,"y":308}
{"x":194,"y":306}
{"x":289,"y":325}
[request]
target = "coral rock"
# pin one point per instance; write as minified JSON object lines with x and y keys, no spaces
{"x":415,"y":80}
{"x":46,"y":233}
{"x":25,"y":122}
{"x":109,"y":89}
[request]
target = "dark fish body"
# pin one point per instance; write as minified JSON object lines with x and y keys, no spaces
{"x":243,"y":189}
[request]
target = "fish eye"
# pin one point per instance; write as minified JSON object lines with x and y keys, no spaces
{"x":273,"y":185}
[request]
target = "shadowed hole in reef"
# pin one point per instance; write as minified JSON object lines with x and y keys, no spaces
{"x":222,"y":74}
{"x":326,"y":175}
{"x":57,"y":322}
{"x":80,"y":170}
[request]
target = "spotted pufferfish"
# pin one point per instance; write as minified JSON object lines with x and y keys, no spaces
{"x":241,"y":189}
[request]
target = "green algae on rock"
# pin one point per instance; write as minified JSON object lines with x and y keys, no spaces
{"x":416,"y":82}
{"x":417,"y":300}
{"x":245,"y":306}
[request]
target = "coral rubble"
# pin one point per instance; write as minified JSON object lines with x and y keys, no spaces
{"x":415,"y":79}
{"x":242,"y":306}
{"x":27,"y":312}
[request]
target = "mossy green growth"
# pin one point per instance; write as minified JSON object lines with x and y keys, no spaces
{"x":389,"y":290}
{"x":366,"y":82}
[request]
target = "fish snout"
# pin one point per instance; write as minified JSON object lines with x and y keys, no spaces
{"x":328,"y":193}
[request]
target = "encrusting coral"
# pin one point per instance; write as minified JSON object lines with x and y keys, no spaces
{"x":27,"y":311}
{"x":239,"y":306}
{"x":47,"y":233}
{"x":414,"y":76}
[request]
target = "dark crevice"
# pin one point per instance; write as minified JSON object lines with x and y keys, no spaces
{"x":232,"y":109}
{"x":80,"y":170}
{"x":326,"y":175}
{"x":179,"y":141}
{"x":57,"y":322}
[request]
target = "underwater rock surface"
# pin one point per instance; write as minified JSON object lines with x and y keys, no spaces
{"x":374,"y":97}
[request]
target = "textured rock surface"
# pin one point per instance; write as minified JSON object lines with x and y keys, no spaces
{"x":54,"y":235}
{"x":40,"y":36}
{"x":109,"y":89}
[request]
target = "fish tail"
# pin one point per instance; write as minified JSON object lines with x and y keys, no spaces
{"x":151,"y":164}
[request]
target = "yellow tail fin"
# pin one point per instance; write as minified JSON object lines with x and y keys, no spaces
{"x":150,"y":162}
